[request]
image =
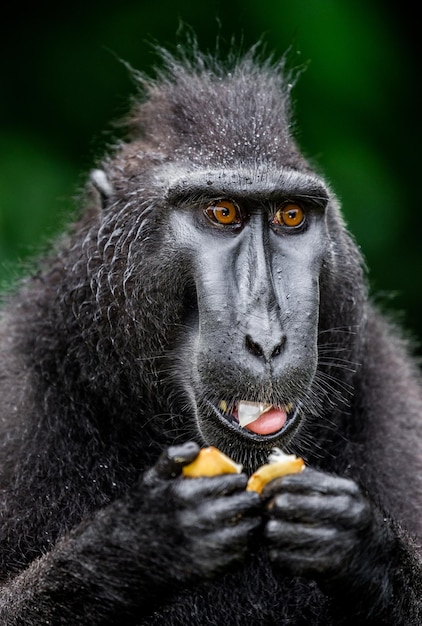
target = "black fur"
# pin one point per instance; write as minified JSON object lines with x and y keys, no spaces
{"x":137,"y":324}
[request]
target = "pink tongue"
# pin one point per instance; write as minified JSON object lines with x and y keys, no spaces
{"x":268,"y":422}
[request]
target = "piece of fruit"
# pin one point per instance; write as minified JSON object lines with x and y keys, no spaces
{"x":211,"y":462}
{"x":279,"y":464}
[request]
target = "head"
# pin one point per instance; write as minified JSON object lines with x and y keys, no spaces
{"x":220,"y":265}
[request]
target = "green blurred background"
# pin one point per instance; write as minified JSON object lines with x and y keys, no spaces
{"x":357,"y":111}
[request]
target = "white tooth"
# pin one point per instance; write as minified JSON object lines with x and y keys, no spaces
{"x":277,"y":455}
{"x":248,"y":412}
{"x":223,"y":406}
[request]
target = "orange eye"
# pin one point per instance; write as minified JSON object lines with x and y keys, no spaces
{"x":224,"y":212}
{"x":289,"y":215}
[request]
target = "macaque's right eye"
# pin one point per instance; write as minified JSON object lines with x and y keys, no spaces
{"x":224,"y":213}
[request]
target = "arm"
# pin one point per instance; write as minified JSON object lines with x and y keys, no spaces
{"x":167,"y":533}
{"x":322,"y":526}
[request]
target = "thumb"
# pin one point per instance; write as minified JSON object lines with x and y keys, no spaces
{"x":172,"y":461}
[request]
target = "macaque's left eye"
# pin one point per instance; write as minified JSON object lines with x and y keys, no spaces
{"x":224,"y":213}
{"x":291,"y":215}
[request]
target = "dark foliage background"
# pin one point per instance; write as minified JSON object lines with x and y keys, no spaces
{"x":357,"y":110}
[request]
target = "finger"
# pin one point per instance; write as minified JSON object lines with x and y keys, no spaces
{"x":291,"y":537}
{"x":311,"y":480}
{"x":239,"y":533}
{"x":172,"y":461}
{"x":195,"y":489}
{"x":338,"y":509}
{"x":220,"y":512}
{"x":227,"y":540}
{"x":226,"y":546}
{"x":317,"y":550}
{"x":230,"y":510}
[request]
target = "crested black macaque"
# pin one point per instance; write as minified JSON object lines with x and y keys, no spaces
{"x":210,"y":272}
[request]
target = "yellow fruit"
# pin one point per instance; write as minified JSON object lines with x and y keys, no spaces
{"x":280,"y":465}
{"x":211,"y":462}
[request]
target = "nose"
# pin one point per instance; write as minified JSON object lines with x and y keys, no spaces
{"x":266,"y":349}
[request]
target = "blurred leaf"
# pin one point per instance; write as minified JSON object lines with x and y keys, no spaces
{"x":36,"y":190}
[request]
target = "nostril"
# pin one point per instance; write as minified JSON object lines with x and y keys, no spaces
{"x":254,"y":347}
{"x":278,"y":348}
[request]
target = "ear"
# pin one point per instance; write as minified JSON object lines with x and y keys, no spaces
{"x":101,"y":187}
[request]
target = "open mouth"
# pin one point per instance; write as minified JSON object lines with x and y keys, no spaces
{"x":257,"y":419}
